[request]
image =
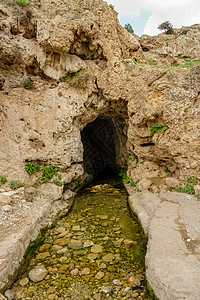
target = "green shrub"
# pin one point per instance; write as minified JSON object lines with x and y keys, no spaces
{"x":184,"y":32}
{"x":2,"y":180}
{"x":78,"y":79}
{"x":158,"y":128}
{"x":48,"y":172}
{"x":129,"y":28}
{"x":57,"y":182}
{"x":27,"y":84}
{"x":30,"y":168}
{"x":193,"y":180}
{"x":22,"y":2}
{"x":187,"y":189}
{"x":167,"y":170}
{"x":78,"y":10}
{"x":15,"y":184}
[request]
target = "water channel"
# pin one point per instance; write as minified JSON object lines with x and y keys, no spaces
{"x":95,"y":252}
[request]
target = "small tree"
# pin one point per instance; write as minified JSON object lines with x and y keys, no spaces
{"x":167,"y":27}
{"x":129,"y":28}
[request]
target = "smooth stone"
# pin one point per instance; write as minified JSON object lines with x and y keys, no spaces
{"x":85,"y":271}
{"x":62,"y":259}
{"x":117,"y":282}
{"x":43,"y":255}
{"x":118,"y":243}
{"x":96,"y":249}
{"x":60,"y":229}
{"x":102,"y":266}
{"x":92,"y":256}
{"x":99,"y":234}
{"x":74,"y":272}
{"x":52,"y":270}
{"x":88,"y":244}
{"x":51,"y":290}
{"x":128,"y":242}
{"x":56,"y":247}
{"x":108,"y":257}
{"x":75,"y":244}
{"x":64,"y":251}
{"x":24,"y":281}
{"x":99,"y":275}
{"x":62,"y":241}
{"x":76,"y":228}
{"x":38,"y":273}
{"x":45,"y":247}
{"x":80,"y":252}
{"x":134,"y":281}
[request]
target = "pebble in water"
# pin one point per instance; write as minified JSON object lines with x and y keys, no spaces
{"x":93,"y":253}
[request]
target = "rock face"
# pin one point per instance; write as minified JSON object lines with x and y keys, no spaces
{"x":62,"y":66}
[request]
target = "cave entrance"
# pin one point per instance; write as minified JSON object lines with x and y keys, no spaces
{"x":100,"y":142}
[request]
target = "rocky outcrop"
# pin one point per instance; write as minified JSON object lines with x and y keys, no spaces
{"x":64,"y":65}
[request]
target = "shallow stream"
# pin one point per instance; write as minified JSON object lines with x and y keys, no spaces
{"x":95,"y":252}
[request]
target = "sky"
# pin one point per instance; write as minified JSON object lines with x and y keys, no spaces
{"x":145,"y":15}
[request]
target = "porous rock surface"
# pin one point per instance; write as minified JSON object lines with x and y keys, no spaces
{"x":48,"y":41}
{"x":172,"y":223}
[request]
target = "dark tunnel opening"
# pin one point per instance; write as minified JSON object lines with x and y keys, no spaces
{"x":99,"y":140}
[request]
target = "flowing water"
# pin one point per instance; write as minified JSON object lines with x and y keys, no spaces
{"x":95,"y":252}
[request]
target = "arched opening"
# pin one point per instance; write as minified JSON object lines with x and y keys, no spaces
{"x":101,"y":142}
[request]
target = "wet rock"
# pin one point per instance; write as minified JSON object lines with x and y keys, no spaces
{"x":129,"y":243}
{"x":102,"y":266}
{"x":56,"y":247}
{"x":96,"y":249}
{"x":118,"y":243}
{"x":92,"y":256}
{"x":65,"y":251}
{"x":9,"y":294}
{"x":99,"y":275}
{"x":80,"y":252}
{"x":117,"y":282}
{"x":24,"y":281}
{"x":51,"y":296}
{"x":51,"y":290}
{"x":42,"y":255}
{"x":74,"y":272}
{"x":62,"y":259}
{"x":102,"y":217}
{"x":52,"y":270}
{"x":60,"y":229}
{"x":134,"y":281}
{"x":85,"y":271}
{"x":76,"y":228}
{"x":75,"y":244}
{"x":62,"y":241}
{"x":108,"y":257}
{"x":38,"y":273}
{"x":45,"y":247}
{"x":88,"y":244}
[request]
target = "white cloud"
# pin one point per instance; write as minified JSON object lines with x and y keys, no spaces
{"x":178,"y":12}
